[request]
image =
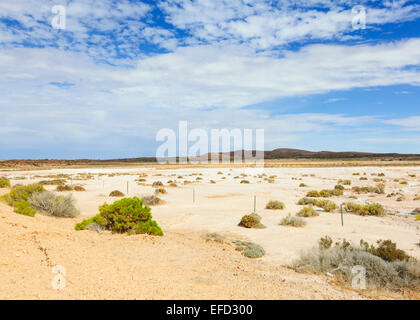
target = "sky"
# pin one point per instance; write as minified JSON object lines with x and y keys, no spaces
{"x":340,"y":75}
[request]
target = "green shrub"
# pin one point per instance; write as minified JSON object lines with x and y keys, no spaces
{"x":125,"y":215}
{"x":249,"y":249}
{"x":24,"y":207}
{"x":307,"y":212}
{"x":252,"y":220}
{"x":116,"y":193}
{"x":338,"y":187}
{"x":293,"y":221}
{"x":22,"y":193}
{"x":275,"y":205}
{"x":386,"y":250}
{"x":4,"y":182}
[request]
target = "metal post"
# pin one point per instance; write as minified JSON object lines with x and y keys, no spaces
{"x":342,"y":221}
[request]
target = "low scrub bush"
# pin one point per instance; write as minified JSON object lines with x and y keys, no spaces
{"x":275,"y":205}
{"x":79,"y":188}
{"x":252,"y":220}
{"x":244,"y":181}
{"x":379,"y":189}
{"x":306,"y":201}
{"x":22,"y":193}
{"x":128,"y":215}
{"x":327,"y":205}
{"x":151,"y":200}
{"x":374,"y":209}
{"x":4,"y":182}
{"x":160,"y":191}
{"x":55,"y":182}
{"x":65,"y":187}
{"x":302,"y":185}
{"x":289,"y":220}
{"x":338,"y":187}
{"x":344,"y":182}
{"x":313,"y":194}
{"x":24,"y":207}
{"x":385,"y":265}
{"x":157,"y":184}
{"x":249,"y":249}
{"x":50,"y":204}
{"x":116,"y":193}
{"x":307,"y":212}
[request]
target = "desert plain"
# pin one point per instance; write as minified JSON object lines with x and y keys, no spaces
{"x":183,"y":263}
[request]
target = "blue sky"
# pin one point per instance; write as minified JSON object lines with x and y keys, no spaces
{"x":122,"y":70}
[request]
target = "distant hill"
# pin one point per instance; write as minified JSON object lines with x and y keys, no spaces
{"x":281,"y":153}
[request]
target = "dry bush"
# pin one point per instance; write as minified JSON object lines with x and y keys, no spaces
{"x":55,"y":182}
{"x":65,"y":187}
{"x":212,"y":181}
{"x":289,"y":220}
{"x":160,"y":191}
{"x":252,"y":220}
{"x":374,"y":209}
{"x":50,"y":204}
{"x":116,"y":193}
{"x":245,"y":182}
{"x":151,"y":200}
{"x":307,"y":212}
{"x":342,"y":257}
{"x":302,"y":185}
{"x":79,"y":188}
{"x":275,"y":205}
{"x":157,"y":184}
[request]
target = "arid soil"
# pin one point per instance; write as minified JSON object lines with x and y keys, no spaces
{"x":182,"y":264}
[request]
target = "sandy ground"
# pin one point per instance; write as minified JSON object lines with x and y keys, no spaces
{"x":181,"y":265}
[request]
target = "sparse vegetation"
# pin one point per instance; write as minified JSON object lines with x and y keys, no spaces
{"x":157,"y":184}
{"x":4,"y":182}
{"x":379,"y":189}
{"x":275,"y":205}
{"x":55,"y":182}
{"x":244,"y":181}
{"x":252,"y":220}
{"x":386,"y":266}
{"x":151,"y":200}
{"x":302,"y":185}
{"x":249,"y":249}
{"x":307,"y":212}
{"x":125,"y":215}
{"x":289,"y":220}
{"x":116,"y":193}
{"x":59,"y":206}
{"x":374,"y":209}
{"x":160,"y":191}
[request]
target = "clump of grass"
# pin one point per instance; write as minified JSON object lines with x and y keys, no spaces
{"x":252,"y":220}
{"x":327,"y":205}
{"x":344,"y":182}
{"x":385,"y":265}
{"x":338,"y":187}
{"x":289,"y":220}
{"x":219,"y":172}
{"x":160,"y":191}
{"x":249,"y":249}
{"x":375,"y":209}
{"x":306,"y":201}
{"x":356,"y":173}
{"x":244,"y":181}
{"x":4,"y":182}
{"x":55,"y":182}
{"x":79,"y":188}
{"x":116,"y":193}
{"x":302,"y":185}
{"x":325,"y":193}
{"x":313,"y":194}
{"x":65,"y":187}
{"x":59,"y":206}
{"x":212,"y":181}
{"x":157,"y":184}
{"x":275,"y":205}
{"x":128,"y":215}
{"x":173,"y":185}
{"x":412,"y":175}
{"x":214,"y":236}
{"x":363,"y":178}
{"x":151,"y":200}
{"x":379,"y":189}
{"x":307,"y":212}
{"x":403,"y":182}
